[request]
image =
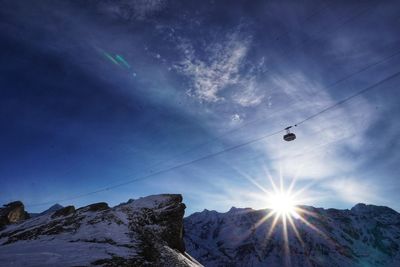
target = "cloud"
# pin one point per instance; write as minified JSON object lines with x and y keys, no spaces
{"x":219,"y":68}
{"x":236,"y":118}
{"x":353,"y":190}
{"x":216,"y":72}
{"x":325,"y":144}
{"x":249,"y":94}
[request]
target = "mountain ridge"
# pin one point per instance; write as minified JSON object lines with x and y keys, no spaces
{"x":143,"y":232}
{"x":152,"y":231}
{"x":365,"y":235}
{"x":356,"y":206}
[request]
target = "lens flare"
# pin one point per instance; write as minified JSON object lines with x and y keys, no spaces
{"x":284,"y":211}
{"x":283,"y":204}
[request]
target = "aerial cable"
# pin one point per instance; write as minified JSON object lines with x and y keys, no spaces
{"x":344,"y":22}
{"x":241,"y":126}
{"x":164,"y":170}
{"x":373,"y":64}
{"x":348,"y":98}
{"x":262,"y":119}
{"x":380,"y":61}
{"x":251,"y":141}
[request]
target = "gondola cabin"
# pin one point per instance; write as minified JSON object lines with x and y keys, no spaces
{"x":289,"y":136}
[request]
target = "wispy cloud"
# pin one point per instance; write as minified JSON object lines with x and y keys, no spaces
{"x":340,"y":132}
{"x":217,"y":69}
{"x":353,"y":190}
{"x":216,"y":72}
{"x":249,"y":93}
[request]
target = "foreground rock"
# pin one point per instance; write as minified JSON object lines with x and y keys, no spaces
{"x":11,"y":213}
{"x":143,"y":232}
{"x":366,"y":235}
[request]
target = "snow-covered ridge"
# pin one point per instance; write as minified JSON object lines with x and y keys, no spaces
{"x":149,"y":232}
{"x":366,"y":235}
{"x":143,"y":232}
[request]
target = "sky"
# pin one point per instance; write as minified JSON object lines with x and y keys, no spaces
{"x":98,"y":93}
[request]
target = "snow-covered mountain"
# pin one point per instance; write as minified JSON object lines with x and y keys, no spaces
{"x":149,"y":232}
{"x":364,"y":236}
{"x":143,"y":232}
{"x":53,"y":208}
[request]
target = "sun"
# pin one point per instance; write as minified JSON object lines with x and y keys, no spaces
{"x":283,"y":204}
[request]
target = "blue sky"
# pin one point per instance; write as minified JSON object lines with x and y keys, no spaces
{"x":95,"y":93}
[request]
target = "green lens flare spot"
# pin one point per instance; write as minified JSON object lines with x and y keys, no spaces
{"x":107,"y":55}
{"x":123,"y":61}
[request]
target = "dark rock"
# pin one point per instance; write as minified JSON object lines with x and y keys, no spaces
{"x":167,"y":215}
{"x":95,"y":207}
{"x":123,"y":203}
{"x":173,"y":220}
{"x":64,"y":212}
{"x":12,"y":213}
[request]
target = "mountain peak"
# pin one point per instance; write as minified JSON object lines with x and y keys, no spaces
{"x":234,"y":209}
{"x":53,"y":208}
{"x":56,"y":207}
{"x":372,"y":209}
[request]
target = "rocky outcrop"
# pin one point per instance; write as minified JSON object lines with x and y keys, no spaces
{"x":169,"y":216}
{"x":366,"y":235}
{"x":143,"y":232}
{"x":95,"y":207}
{"x":12,"y":213}
{"x":68,"y":210}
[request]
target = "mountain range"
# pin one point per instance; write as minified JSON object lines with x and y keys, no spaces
{"x":365,"y":235}
{"x":152,"y":231}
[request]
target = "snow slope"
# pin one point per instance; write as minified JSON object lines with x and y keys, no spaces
{"x":364,"y":236}
{"x":143,"y":232}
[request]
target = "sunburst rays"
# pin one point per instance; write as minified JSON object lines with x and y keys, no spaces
{"x":284,"y":211}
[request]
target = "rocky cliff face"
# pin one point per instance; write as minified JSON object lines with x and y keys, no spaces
{"x":366,"y":235}
{"x":143,"y":232}
{"x":11,"y":213}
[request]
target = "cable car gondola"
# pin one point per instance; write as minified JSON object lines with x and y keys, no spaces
{"x":289,"y":136}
